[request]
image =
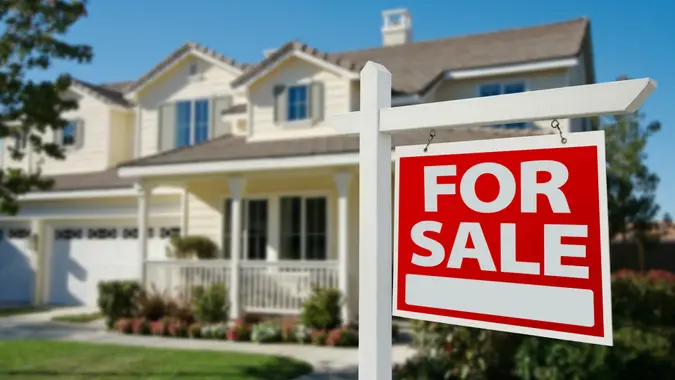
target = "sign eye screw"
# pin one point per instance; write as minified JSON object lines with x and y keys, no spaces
{"x":556,"y":125}
{"x":432,"y":134}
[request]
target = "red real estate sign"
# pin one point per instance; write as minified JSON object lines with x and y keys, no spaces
{"x":509,"y":234}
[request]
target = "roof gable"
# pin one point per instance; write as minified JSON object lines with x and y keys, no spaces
{"x":189,"y":48}
{"x":301,"y":50}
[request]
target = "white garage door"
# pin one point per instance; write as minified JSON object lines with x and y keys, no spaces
{"x":17,"y":278}
{"x":84,"y":255}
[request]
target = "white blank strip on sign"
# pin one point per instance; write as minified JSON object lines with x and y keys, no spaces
{"x":533,"y":302}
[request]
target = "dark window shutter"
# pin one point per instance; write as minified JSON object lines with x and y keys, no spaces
{"x":280,"y":103}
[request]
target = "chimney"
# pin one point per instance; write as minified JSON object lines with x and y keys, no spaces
{"x":397,"y":27}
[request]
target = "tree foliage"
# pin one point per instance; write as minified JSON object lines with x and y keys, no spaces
{"x":631,"y":186}
{"x":32,"y":39}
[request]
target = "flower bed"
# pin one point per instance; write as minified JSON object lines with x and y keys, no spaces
{"x":240,"y":331}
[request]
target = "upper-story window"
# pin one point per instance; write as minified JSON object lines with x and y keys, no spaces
{"x":298,"y":104}
{"x":492,"y":89}
{"x":72,"y":134}
{"x":188,"y":122}
{"x":192,"y":122}
{"x":68,"y":137}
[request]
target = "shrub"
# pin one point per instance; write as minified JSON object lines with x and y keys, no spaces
{"x":214,"y":331}
{"x":240,"y":331}
{"x":342,"y":337}
{"x":288,"y":332}
{"x":211,"y":304}
{"x":161,"y":327}
{"x":152,"y":304}
{"x":266,"y":332}
{"x":644,"y":332}
{"x":322,"y":309}
{"x":141,"y":326}
{"x":302,"y":334}
{"x":124,"y":326}
{"x":116,"y":300}
{"x":181,"y":312}
{"x":195,"y":330}
{"x":318,"y":337}
{"x":421,"y":367}
{"x":185,"y":247}
{"x":178,"y":329}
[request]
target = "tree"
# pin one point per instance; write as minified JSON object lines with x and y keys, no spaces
{"x":32,"y":38}
{"x":631,"y":186}
{"x":667,"y":219}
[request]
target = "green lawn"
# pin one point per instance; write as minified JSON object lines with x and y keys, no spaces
{"x":8,"y":312}
{"x":78,"y":318}
{"x":31,"y":360}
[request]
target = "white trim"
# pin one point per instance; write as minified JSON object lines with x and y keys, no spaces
{"x":512,"y":69}
{"x":107,"y":193}
{"x":593,"y":139}
{"x":132,"y":216}
{"x":194,"y":52}
{"x":235,"y":166}
{"x":299,"y":54}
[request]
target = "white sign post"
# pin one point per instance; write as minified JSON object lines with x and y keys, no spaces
{"x":375,"y":122}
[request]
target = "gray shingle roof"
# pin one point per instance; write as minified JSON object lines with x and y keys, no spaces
{"x":230,"y":147}
{"x":110,"y":93}
{"x":416,"y":66}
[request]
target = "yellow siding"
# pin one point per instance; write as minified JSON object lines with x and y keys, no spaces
{"x":468,"y":88}
{"x":121,"y":137}
{"x":93,"y":156}
{"x":175,"y":85}
{"x":290,"y":72}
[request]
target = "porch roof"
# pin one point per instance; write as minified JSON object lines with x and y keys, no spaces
{"x":233,"y":148}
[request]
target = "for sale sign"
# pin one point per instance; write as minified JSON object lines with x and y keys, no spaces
{"x":508,"y":234}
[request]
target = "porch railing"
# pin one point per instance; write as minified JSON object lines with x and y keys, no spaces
{"x":278,"y":287}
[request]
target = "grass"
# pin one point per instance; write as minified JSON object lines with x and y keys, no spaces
{"x":78,"y":318}
{"x":32,"y":360}
{"x":11,"y":311}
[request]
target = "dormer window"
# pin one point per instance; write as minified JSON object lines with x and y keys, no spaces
{"x":298,"y":104}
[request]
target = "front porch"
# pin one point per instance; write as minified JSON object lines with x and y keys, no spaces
{"x":294,"y":230}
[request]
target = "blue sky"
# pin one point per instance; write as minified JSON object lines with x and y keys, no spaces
{"x":632,"y":38}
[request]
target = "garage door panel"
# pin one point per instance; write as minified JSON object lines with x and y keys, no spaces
{"x":84,"y":255}
{"x":17,"y":276}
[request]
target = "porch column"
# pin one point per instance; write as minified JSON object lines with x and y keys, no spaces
{"x":236,"y":185}
{"x":342,"y":180}
{"x":144,"y":192}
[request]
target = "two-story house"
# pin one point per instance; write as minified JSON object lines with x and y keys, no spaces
{"x":241,"y":153}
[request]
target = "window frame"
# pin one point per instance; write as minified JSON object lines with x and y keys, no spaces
{"x":304,"y":233}
{"x":192,"y":125}
{"x":294,"y":105}
{"x":71,"y":124}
